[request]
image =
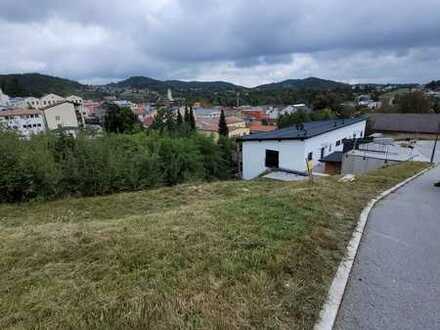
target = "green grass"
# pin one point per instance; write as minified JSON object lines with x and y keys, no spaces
{"x":226,"y":255}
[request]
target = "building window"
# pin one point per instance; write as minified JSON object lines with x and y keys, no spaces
{"x":57,"y":118}
{"x":272,"y":159}
{"x":310,"y":156}
{"x":338,"y":143}
{"x":322,"y":153}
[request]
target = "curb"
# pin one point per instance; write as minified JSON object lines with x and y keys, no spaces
{"x":329,"y":311}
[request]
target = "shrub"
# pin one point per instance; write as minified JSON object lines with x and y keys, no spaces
{"x":49,"y":166}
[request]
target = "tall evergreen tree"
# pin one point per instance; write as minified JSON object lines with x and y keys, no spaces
{"x":192,"y":120}
{"x":120,"y":120}
{"x":186,"y":115}
{"x":223,"y":129}
{"x":179,"y":119}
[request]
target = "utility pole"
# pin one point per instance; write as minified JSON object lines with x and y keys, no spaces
{"x":433,"y":149}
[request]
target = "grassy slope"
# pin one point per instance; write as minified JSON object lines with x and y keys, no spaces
{"x":225,"y":255}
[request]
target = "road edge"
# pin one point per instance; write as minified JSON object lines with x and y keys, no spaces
{"x":329,"y":311}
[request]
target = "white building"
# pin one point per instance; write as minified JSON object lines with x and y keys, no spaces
{"x":207,"y":113}
{"x":295,"y":108}
{"x":62,"y":116}
{"x":25,"y":121}
{"x":50,"y":99}
{"x":289,"y":148}
{"x":170,"y":95}
{"x":38,"y":103}
{"x":78,"y":102}
{"x":4,"y":99}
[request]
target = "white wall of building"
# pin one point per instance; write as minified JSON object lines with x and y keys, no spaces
{"x":26,"y":124}
{"x":50,"y":99}
{"x":254,"y":156}
{"x":328,"y":140}
{"x":4,"y":99}
{"x":61,"y":115}
{"x":293,"y":153}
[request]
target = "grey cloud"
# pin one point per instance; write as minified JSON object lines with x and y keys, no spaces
{"x":241,"y":40}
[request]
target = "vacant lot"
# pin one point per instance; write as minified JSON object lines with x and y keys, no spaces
{"x":226,"y":255}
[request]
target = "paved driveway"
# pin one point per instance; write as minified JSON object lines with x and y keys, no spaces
{"x":395,"y":281}
{"x":425,"y":148}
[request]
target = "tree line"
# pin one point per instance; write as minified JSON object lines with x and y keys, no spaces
{"x":125,"y":158}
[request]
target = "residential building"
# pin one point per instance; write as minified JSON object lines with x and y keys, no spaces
{"x":412,"y":125}
{"x":25,"y":121}
{"x":17,"y":102}
{"x":126,"y":104}
{"x":363,"y":155}
{"x":78,"y":103}
{"x":237,"y":126}
{"x":62,"y":116}
{"x":293,"y":148}
{"x":258,"y":127}
{"x":50,"y":99}
{"x":207,"y":113}
{"x":4,"y":99}
{"x":363,"y":100}
{"x":254,"y":114}
{"x":295,"y":108}
{"x":90,"y":108}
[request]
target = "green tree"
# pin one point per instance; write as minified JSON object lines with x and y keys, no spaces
{"x":179,"y":119}
{"x":192,"y":120}
{"x":165,"y":120}
{"x":186,"y":115}
{"x":223,"y":129}
{"x":415,"y":102}
{"x":292,"y":119}
{"x":120,"y":120}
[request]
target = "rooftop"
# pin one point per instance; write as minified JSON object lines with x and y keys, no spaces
{"x":19,"y":112}
{"x":406,"y":122}
{"x":309,"y":129}
{"x":259,"y":127}
{"x":334,"y":157}
{"x":211,"y":124}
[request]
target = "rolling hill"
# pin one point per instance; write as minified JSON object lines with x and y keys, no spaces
{"x":35,"y":84}
{"x":307,"y":83}
{"x":141,"y":82}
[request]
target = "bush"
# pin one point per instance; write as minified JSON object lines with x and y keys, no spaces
{"x":49,"y":166}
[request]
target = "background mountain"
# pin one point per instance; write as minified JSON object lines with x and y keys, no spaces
{"x":35,"y":84}
{"x":140,"y":82}
{"x":312,"y":83}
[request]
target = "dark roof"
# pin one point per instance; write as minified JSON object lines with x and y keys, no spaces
{"x":310,"y":129}
{"x":406,"y":122}
{"x":334,"y":157}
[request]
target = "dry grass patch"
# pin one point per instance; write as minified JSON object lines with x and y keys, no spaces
{"x":227,"y":255}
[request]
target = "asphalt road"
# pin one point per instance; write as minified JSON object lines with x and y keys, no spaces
{"x":395,"y":281}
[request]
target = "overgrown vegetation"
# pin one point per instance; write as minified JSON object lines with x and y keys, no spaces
{"x":300,"y":117}
{"x":225,"y":255}
{"x":50,"y":166}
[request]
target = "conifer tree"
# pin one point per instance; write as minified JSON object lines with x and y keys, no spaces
{"x":179,"y":119}
{"x":223,"y":129}
{"x":186,"y":115}
{"x":192,"y":120}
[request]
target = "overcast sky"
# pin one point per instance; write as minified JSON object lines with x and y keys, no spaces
{"x":248,"y":42}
